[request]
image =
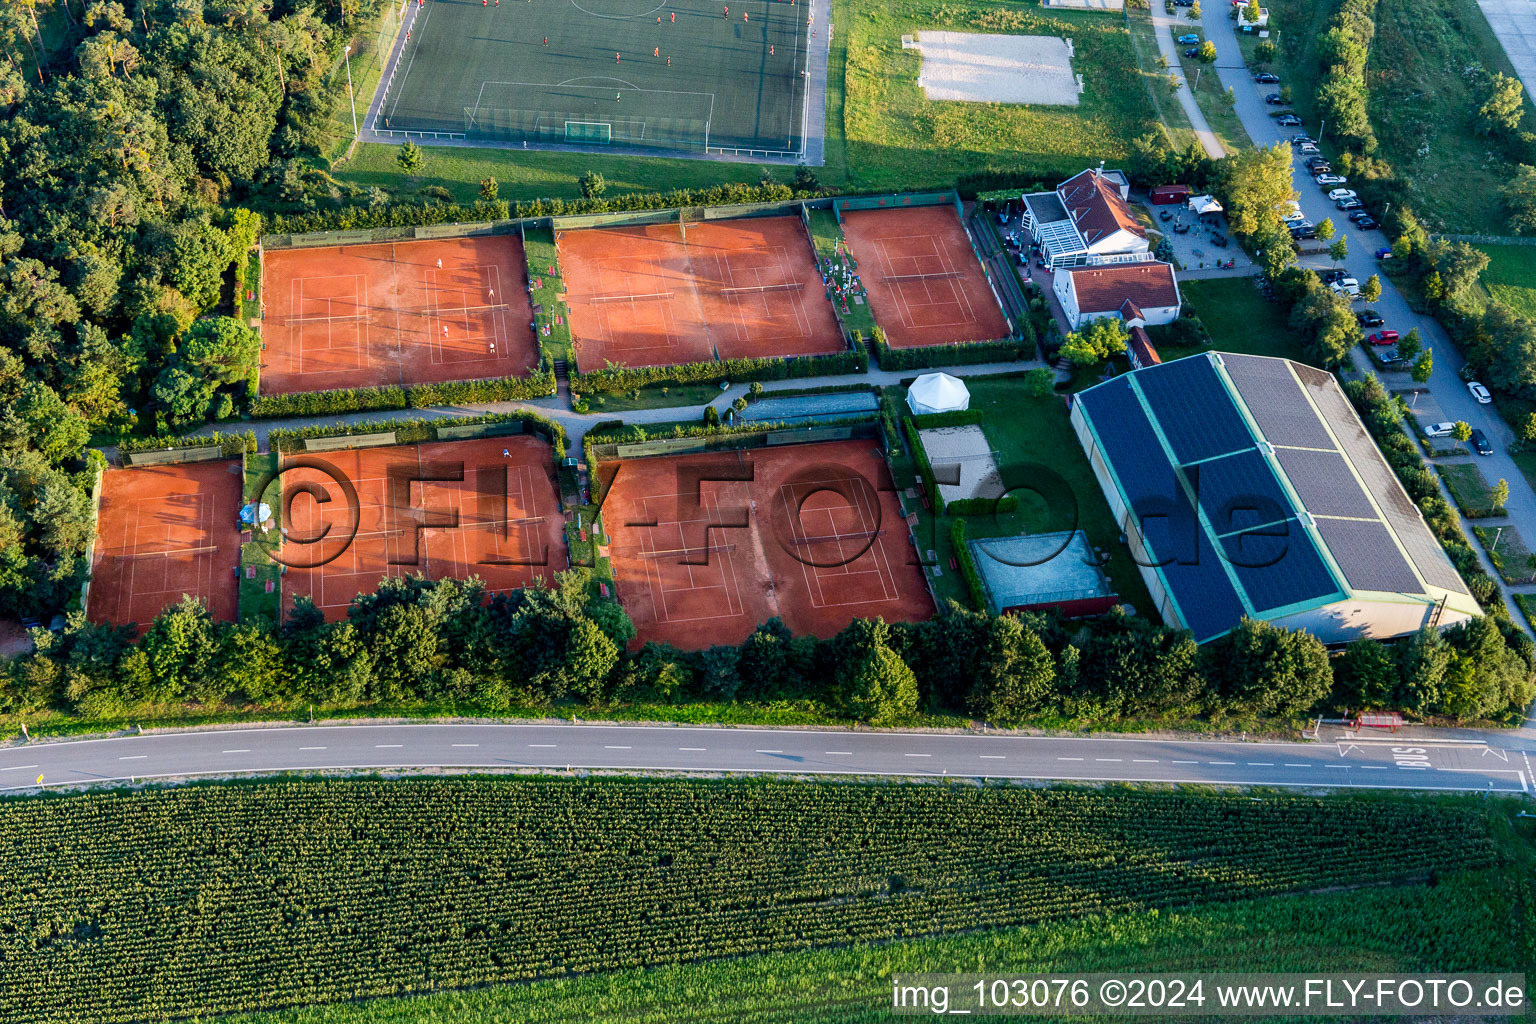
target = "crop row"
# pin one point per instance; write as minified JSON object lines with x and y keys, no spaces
{"x":213,"y":899}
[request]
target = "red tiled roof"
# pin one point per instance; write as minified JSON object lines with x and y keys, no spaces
{"x":1107,"y":289}
{"x":1142,"y":349}
{"x":1130,"y":311}
{"x":1094,"y":204}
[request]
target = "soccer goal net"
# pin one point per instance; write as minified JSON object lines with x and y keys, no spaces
{"x":598,"y":115}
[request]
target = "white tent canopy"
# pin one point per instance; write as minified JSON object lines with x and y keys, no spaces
{"x":1204,"y":204}
{"x":937,"y":392}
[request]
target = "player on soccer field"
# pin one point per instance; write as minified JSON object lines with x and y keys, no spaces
{"x":656,"y":52}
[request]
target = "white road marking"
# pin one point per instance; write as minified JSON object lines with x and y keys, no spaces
{"x":609,"y":746}
{"x":1261,"y":764}
{"x":1144,"y":760}
{"x":695,"y":749}
{"x":1221,"y":762}
{"x":1291,"y":764}
{"x":243,"y":750}
{"x":380,"y":746}
{"x":1069,"y":759}
{"x":1107,"y":759}
{"x":840,"y":753}
{"x":134,"y":757}
{"x":547,"y":745}
{"x":917,"y":755}
{"x":994,"y":757}
{"x":18,"y":768}
{"x":311,"y":748}
{"x":1184,"y":762}
{"x":475,"y":744}
{"x":1375,"y":767}
{"x":770,"y":751}
{"x":1344,"y":766}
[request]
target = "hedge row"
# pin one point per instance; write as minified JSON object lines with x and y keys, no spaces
{"x":540,"y":384}
{"x":982,"y":506}
{"x":628,"y":378}
{"x":233,"y":445}
{"x":393,"y":215}
{"x":924,"y":467}
{"x":416,"y":431}
{"x":959,"y":354}
{"x":968,"y":568}
{"x":956,"y":418}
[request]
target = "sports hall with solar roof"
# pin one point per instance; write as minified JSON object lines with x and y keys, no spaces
{"x":1247,"y":486}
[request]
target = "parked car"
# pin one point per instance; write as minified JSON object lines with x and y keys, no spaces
{"x":1313,"y":162}
{"x":1265,"y":78}
{"x":1302,"y":137}
{"x":1189,"y":37}
{"x":1479,"y":392}
{"x":1347,"y":286}
{"x":1342,"y":193}
{"x":1321,"y":167}
{"x":1307,"y":148}
{"x":1384,"y":253}
{"x":1306,"y":229}
{"x":1358,"y":215}
{"x":1348,"y":204}
{"x":1383,"y":338}
{"x":1290,"y":220}
{"x":1333,"y":274}
{"x":1480,"y":442}
{"x":1192,"y":52}
{"x":1288,"y":121}
{"x":1274,"y":100}
{"x":1440,"y":430}
{"x":1369,"y":318}
{"x":1325,"y":180}
{"x":1367,"y":223}
{"x":1390,"y":356}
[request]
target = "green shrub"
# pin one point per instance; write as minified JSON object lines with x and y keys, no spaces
{"x":416,"y":431}
{"x":234,"y":445}
{"x":968,"y":568}
{"x":982,"y":506}
{"x":924,"y":467}
{"x":955,"y":418}
{"x":959,"y":354}
{"x":415,"y":396}
{"x":627,"y":378}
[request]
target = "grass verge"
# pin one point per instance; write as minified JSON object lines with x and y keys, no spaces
{"x":1211,"y":97}
{"x":1510,"y":277}
{"x":257,"y":567}
{"x":1155,"y":77}
{"x":1472,"y":494}
{"x":1507,"y":550}
{"x":551,"y":314}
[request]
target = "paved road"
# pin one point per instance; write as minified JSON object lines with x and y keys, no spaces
{"x":1167,"y":27}
{"x":1446,"y":385}
{"x":1514,"y":22}
{"x":1339,"y":761}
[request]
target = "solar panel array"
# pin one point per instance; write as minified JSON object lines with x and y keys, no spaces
{"x":1174,"y":435}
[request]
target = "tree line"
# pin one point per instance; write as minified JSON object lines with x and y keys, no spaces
{"x":442,"y":643}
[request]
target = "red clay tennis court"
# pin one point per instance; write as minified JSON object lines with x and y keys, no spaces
{"x":745,"y":288}
{"x":395,"y":313}
{"x":706,"y":547}
{"x":924,"y":283}
{"x":451,"y":509}
{"x":165,"y":531}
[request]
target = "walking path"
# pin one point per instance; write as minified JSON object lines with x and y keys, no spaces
{"x":1165,"y":27}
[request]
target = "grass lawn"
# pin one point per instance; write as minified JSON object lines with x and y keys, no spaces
{"x":1472,"y":493}
{"x":897,"y":138}
{"x":1239,"y":319}
{"x":1031,"y":431}
{"x":1510,"y":276}
{"x":1164,"y":100}
{"x":1508,"y":551}
{"x":1423,"y":100}
{"x":255,"y":601}
{"x":881,"y":133}
{"x":826,"y":233}
{"x":549,"y":296}
{"x":1211,"y":96}
{"x":652,"y":398}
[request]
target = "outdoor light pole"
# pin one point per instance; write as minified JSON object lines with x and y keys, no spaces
{"x":351,"y":100}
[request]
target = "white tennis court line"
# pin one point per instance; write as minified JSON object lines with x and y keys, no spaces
{"x":816,"y":576}
{"x":521,"y":539}
{"x":489,"y":285}
{"x":205,"y":505}
{"x":633,"y":283}
{"x":358,"y":328}
{"x":730,"y":581}
{"x":957,"y":298}
{"x":794,"y":301}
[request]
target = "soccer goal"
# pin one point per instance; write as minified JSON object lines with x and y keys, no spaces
{"x":599,"y":132}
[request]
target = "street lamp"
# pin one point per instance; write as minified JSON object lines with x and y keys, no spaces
{"x":351,"y":100}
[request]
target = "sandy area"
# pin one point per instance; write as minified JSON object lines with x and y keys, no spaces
{"x":967,"y":448}
{"x":976,"y":68}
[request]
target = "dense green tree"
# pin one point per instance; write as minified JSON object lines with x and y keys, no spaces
{"x":1267,"y":670}
{"x":1367,"y":675}
{"x":221,"y":349}
{"x":1519,"y":195}
{"x":182,"y":646}
{"x":1502,"y":110}
{"x":870,"y":680}
{"x":1014,"y":674}
{"x":1101,"y":339}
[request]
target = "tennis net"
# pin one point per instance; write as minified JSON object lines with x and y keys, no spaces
{"x":206,"y":549}
{"x":829,"y":538}
{"x":936,"y":275}
{"x":747,"y":289}
{"x":639,"y":297}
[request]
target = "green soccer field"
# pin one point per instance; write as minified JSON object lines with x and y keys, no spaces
{"x":605,"y":72}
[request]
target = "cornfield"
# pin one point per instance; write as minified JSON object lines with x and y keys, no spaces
{"x":148,"y":905}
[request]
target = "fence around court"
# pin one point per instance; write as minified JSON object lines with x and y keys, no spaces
{"x":401,"y":233}
{"x":345,"y":441}
{"x":774,"y":436}
{"x":896,"y":201}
